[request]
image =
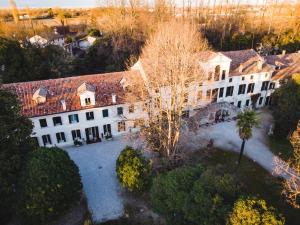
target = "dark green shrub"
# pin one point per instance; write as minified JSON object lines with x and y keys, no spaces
{"x":133,"y":170}
{"x":15,"y":143}
{"x":193,"y":195}
{"x":50,"y":185}
{"x":254,"y":211}
{"x":94,"y":32}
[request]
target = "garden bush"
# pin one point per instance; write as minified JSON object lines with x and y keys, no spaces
{"x":193,"y":195}
{"x":254,"y":211}
{"x":133,"y":170}
{"x":50,"y":185}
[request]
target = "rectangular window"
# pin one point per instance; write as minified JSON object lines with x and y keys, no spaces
{"x":208,"y":93}
{"x":229,"y":91}
{"x":185,"y":114}
{"x":221,"y":92}
{"x":215,"y":95}
{"x":105,"y":113}
{"x":217,"y":73}
{"x":265,"y":85}
{"x":145,"y":107}
{"x":156,"y":102}
{"x":107,"y":129}
{"x":76,"y":134}
{"x":260,"y":100}
{"x":87,"y":101}
{"x":199,"y":95}
{"x":131,"y":109}
{"x":210,"y":74}
{"x":73,"y":118}
{"x":121,"y":126}
{"x":242,"y":89}
{"x":223,"y":74}
{"x":250,"y":88}
{"x":272,"y":86}
{"x":239,"y":104}
{"x":43,"y":122}
{"x":89,"y":115}
{"x":60,"y":137}
{"x":247,"y":102}
{"x":57,"y":121}
{"x":46,"y":139}
{"x":186,"y":98}
{"x":92,"y":134}
{"x":120,"y":111}
{"x":268,"y":100}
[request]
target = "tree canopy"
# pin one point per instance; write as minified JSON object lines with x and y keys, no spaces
{"x":50,"y":185}
{"x":29,"y":62}
{"x":15,"y":143}
{"x":247,"y":211}
{"x":193,"y":195}
{"x":133,"y":170}
{"x":286,"y":107}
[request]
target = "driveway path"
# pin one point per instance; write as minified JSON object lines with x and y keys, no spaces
{"x":96,"y":164}
{"x":226,"y":137}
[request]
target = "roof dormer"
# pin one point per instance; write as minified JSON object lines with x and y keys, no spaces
{"x":40,"y":95}
{"x":86,"y":93}
{"x":124,"y":83}
{"x":260,"y":63}
{"x":84,"y":87}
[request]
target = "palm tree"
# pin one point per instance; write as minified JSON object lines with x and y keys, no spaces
{"x":245,"y":122}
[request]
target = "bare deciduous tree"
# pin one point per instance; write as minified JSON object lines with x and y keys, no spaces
{"x":292,"y":170}
{"x":172,"y":76}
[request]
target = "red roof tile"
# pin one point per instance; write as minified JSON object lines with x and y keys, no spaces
{"x":289,"y":65}
{"x":66,"y":89}
{"x":248,"y":59}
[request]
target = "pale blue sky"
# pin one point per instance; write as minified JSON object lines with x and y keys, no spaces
{"x":88,"y":3}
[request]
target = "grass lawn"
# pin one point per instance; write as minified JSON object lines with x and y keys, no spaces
{"x":254,"y":179}
{"x":281,"y":147}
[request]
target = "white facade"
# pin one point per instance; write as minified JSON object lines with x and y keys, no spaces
{"x":100,"y":120}
{"x":218,"y":86}
{"x":222,"y":83}
{"x":86,"y":43}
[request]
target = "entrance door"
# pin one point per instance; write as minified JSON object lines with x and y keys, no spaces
{"x":107,"y":129}
{"x":267,"y":101}
{"x":92,"y":134}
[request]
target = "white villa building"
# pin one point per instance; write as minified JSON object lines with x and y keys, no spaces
{"x":93,"y":108}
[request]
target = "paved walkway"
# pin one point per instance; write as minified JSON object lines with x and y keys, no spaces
{"x":96,"y":164}
{"x":226,"y":137}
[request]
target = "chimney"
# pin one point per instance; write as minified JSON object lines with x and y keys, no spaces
{"x":63,"y":104}
{"x":114,"y":98}
{"x":241,"y":67}
{"x":259,"y":64}
{"x":55,"y":31}
{"x":283,"y":52}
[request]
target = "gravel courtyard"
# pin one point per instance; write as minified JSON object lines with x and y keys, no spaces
{"x":96,"y":163}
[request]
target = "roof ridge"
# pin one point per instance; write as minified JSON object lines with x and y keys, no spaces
{"x":69,"y":77}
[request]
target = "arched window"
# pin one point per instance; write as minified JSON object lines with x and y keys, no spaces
{"x":217,"y":72}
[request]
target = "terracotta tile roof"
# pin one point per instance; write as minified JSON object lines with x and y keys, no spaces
{"x":205,"y":56}
{"x":248,"y":59}
{"x":66,"y":89}
{"x":289,"y":65}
